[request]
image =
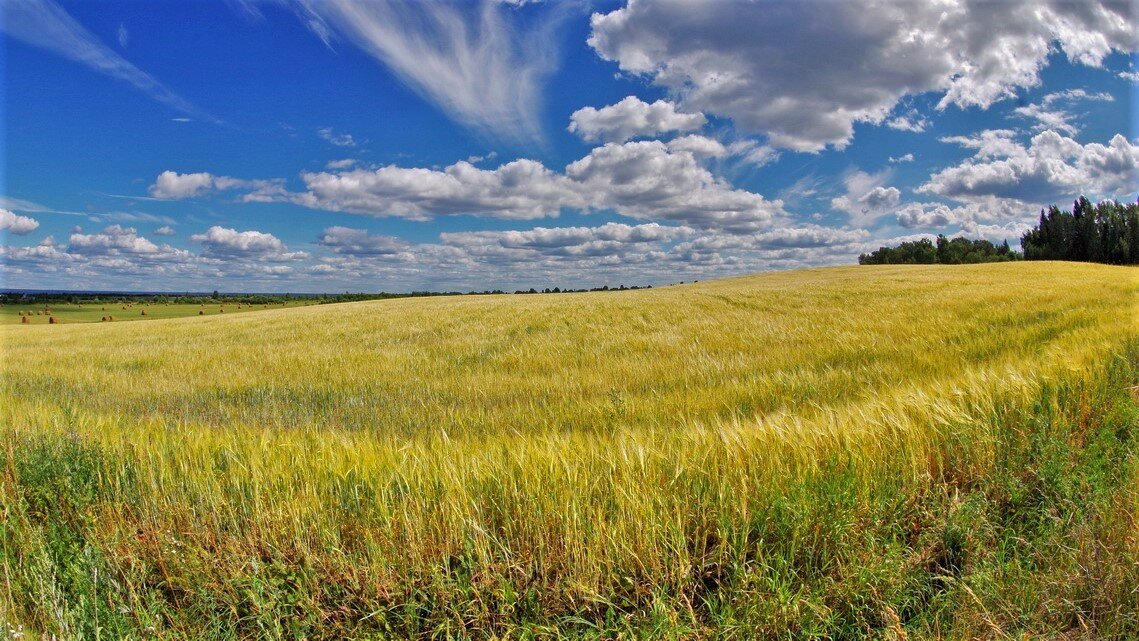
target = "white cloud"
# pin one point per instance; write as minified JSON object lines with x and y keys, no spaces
{"x":16,"y":224}
{"x":171,"y":185}
{"x":902,"y":158}
{"x":636,"y":179}
{"x":989,"y":143}
{"x":754,"y":153}
{"x":1051,"y":167}
{"x":44,"y":24}
{"x":113,"y":240}
{"x":1048,"y":116}
{"x":474,"y":160}
{"x":358,"y":242}
{"x":699,"y":146}
{"x":1130,"y":76}
{"x":223,"y":242}
{"x":165,"y":230}
{"x":644,"y":180}
{"x":474,"y":62}
{"x":804,"y":72}
{"x":338,"y":139}
{"x":610,"y":239}
{"x":522,"y":189}
{"x":980,"y":213}
{"x":632,"y":118}
{"x":1011,"y":231}
{"x":867,"y":197}
{"x":911,"y":121}
{"x":340,"y":164}
{"x":926,"y":215}
{"x":1045,"y":118}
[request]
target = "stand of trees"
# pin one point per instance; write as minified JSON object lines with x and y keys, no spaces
{"x":956,"y":251}
{"x":1107,"y":232}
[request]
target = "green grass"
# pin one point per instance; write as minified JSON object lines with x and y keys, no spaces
{"x":894,"y":452}
{"x":95,"y":312}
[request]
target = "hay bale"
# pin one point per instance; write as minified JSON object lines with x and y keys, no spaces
{"x":144,"y":312}
{"x":201,"y":313}
{"x":21,"y":313}
{"x":103,"y":319}
{"x":51,"y":320}
{"x":24,"y":320}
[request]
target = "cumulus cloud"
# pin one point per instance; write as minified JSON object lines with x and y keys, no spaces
{"x":699,"y":146}
{"x":113,"y":240}
{"x":820,"y":67}
{"x":632,"y":118}
{"x":16,"y":224}
{"x":340,"y":164}
{"x":171,"y":185}
{"x":475,"y":62}
{"x":1050,"y":167}
{"x":867,"y":197}
{"x":522,"y":189}
{"x":358,"y":242}
{"x":980,"y":212}
{"x":607,"y":240}
{"x":902,"y":158}
{"x":644,"y":179}
{"x":165,"y":230}
{"x":583,"y":256}
{"x":223,"y":242}
{"x":809,"y":236}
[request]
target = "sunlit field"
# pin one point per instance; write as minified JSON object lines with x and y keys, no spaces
{"x":867,"y":452}
{"x":41,"y":314}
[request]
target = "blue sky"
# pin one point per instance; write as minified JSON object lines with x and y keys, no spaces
{"x":294,"y":145}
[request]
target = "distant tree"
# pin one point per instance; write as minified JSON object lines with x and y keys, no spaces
{"x":946,"y":251}
{"x":1107,"y":232}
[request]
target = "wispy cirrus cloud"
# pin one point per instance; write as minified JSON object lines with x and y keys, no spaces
{"x":44,"y":24}
{"x":476,"y":63}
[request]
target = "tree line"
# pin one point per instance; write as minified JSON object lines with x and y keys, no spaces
{"x":946,"y":251}
{"x":1105,"y":232}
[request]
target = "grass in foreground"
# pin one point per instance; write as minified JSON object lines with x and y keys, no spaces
{"x":922,"y":452}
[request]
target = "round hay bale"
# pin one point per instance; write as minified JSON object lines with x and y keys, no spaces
{"x":24,"y":320}
{"x":51,"y":320}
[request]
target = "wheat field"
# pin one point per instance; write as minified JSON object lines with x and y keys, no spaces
{"x":870,"y":452}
